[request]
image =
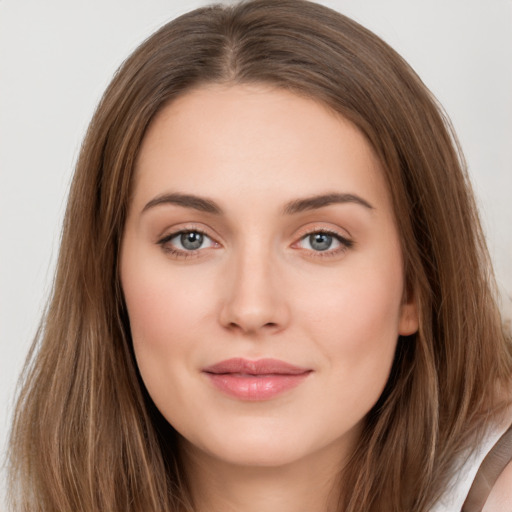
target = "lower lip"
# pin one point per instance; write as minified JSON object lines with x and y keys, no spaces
{"x":255,"y":387}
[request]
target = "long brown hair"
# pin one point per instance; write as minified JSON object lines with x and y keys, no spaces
{"x":86,"y":435}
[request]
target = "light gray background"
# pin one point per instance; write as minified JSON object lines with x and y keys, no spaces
{"x":57,"y":56}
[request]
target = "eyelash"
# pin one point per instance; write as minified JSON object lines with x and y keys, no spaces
{"x":345,"y":243}
{"x":178,"y":253}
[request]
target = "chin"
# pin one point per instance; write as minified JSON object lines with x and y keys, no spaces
{"x":251,"y":447}
{"x":258,"y":446}
{"x":259,"y":455}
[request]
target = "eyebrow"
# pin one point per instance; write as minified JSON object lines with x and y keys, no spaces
{"x":315,"y":202}
{"x":187,"y":201}
{"x":206,"y":205}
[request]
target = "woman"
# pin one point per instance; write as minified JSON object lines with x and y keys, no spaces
{"x":273,"y":290}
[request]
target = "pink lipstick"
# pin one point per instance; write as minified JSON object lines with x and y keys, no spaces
{"x":255,"y":380}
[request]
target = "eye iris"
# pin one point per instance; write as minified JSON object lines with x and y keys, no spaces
{"x":320,"y":241}
{"x":191,"y":240}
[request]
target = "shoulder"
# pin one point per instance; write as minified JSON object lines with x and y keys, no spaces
{"x":483,"y":482}
{"x":500,"y":497}
{"x":500,"y":476}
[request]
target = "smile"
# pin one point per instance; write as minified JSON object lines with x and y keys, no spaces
{"x":255,"y":380}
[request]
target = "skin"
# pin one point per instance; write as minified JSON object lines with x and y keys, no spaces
{"x":500,"y":498}
{"x":257,"y":288}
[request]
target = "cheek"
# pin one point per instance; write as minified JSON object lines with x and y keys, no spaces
{"x":166,"y":310}
{"x":358,"y":310}
{"x":355,"y":326}
{"x":357,"y":338}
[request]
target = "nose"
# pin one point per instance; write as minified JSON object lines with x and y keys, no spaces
{"x":255,"y":298}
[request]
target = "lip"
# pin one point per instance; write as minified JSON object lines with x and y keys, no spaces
{"x":262,"y":379}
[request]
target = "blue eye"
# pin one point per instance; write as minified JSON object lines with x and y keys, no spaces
{"x":322,"y":241}
{"x":186,"y":241}
{"x":192,"y":240}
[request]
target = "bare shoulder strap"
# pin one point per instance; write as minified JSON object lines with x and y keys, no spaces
{"x":490,"y":469}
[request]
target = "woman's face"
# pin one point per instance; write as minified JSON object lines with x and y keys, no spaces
{"x":262,"y":272}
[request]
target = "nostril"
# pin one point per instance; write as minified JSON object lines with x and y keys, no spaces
{"x":252,"y":328}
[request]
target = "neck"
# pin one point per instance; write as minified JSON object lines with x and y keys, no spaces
{"x":307,"y":485}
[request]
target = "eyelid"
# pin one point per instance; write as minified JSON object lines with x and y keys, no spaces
{"x":174,"y":234}
{"x":321,"y":227}
{"x":345,"y":242}
{"x":163,"y":241}
{"x":186,"y":227}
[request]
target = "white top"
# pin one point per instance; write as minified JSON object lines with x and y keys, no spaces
{"x":457,"y":491}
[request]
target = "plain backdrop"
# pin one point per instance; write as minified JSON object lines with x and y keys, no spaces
{"x":57,"y":56}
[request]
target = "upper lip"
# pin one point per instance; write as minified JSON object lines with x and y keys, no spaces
{"x":258,"y":367}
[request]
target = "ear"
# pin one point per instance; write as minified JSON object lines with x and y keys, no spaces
{"x":409,"y":318}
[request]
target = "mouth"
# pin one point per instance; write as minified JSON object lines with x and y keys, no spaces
{"x":255,"y":380}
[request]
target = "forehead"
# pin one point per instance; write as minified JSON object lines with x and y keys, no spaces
{"x":245,"y":140}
